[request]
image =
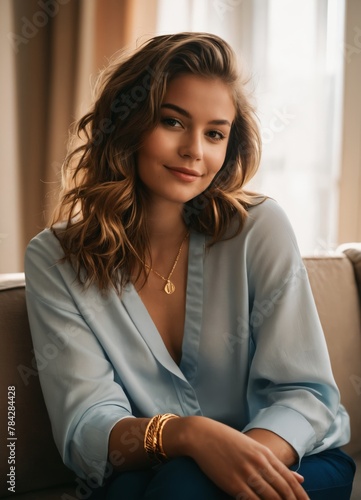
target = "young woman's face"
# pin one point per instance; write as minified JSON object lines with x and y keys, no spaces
{"x":181,"y":156}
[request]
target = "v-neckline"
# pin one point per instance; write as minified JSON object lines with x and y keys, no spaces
{"x":141,"y":318}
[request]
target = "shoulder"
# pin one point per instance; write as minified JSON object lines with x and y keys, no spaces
{"x":271,"y":249}
{"x":50,"y":278}
{"x":266,"y":242}
{"x":45,"y":268}
{"x":267,"y":223}
{"x":45,"y":247}
{"x":267,"y":211}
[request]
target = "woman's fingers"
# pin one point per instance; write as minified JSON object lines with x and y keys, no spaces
{"x":298,"y":476}
{"x":263,"y":485}
{"x":288,"y":482}
{"x":238,"y":464}
{"x":272,"y":484}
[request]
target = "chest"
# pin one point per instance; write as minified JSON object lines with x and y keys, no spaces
{"x":167,"y":311}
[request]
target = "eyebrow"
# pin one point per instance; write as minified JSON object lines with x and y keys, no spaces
{"x":185,"y":113}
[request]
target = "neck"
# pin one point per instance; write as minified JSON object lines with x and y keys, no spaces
{"x":168,"y":243}
{"x":165,"y":225}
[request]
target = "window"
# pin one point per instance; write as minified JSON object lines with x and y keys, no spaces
{"x":294,"y":53}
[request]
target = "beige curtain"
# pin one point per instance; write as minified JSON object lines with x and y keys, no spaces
{"x":350,"y":178}
{"x":45,"y":76}
{"x":58,"y":48}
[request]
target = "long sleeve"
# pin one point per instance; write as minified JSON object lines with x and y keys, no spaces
{"x":291,"y":390}
{"x":83,"y":400}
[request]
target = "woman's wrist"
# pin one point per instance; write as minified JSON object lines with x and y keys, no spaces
{"x":279,"y":446}
{"x":153,"y":437}
{"x":180,"y":436}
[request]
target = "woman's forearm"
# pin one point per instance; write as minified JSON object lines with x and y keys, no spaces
{"x":126,"y":442}
{"x":281,"y":448}
{"x":234,"y":461}
{"x":126,"y":450}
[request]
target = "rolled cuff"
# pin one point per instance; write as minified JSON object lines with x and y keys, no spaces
{"x":88,"y":450}
{"x":288,"y":424}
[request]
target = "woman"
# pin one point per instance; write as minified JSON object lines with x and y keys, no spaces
{"x":190,"y":361}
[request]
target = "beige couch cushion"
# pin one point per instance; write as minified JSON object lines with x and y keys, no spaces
{"x":333,"y":284}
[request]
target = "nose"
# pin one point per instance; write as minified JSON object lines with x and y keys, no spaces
{"x":191,"y":147}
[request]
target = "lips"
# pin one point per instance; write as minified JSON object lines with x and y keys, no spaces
{"x":185,"y":174}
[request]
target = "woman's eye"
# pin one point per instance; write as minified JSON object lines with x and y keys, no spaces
{"x":171,"y":122}
{"x":215,"y":135}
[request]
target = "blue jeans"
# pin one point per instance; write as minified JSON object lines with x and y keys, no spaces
{"x":328,"y":476}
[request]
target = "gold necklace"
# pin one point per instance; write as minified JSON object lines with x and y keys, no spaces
{"x":169,"y":286}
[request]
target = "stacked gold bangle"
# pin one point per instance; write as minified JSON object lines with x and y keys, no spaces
{"x":153,"y":437}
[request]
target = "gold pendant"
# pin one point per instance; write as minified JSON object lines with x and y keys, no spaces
{"x":169,"y":287}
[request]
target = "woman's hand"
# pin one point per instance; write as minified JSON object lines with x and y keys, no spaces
{"x":236,"y":463}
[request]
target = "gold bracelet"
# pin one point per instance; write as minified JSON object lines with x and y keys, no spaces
{"x":153,"y":437}
{"x":150,"y":436}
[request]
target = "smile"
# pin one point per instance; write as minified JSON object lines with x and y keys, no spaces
{"x":184,"y":174}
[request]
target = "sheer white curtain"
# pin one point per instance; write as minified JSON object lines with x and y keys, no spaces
{"x":294,"y":52}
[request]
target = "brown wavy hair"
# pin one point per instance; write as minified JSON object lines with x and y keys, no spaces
{"x":102,"y":202}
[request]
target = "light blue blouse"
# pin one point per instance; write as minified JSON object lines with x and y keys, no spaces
{"x":254,"y":354}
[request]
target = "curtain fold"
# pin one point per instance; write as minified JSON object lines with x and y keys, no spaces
{"x":45,"y":79}
{"x":59,"y":46}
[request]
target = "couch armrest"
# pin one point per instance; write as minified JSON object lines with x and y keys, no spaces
{"x":12,"y":280}
{"x":353,"y":252}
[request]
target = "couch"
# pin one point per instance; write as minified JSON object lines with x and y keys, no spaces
{"x":38,"y":472}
